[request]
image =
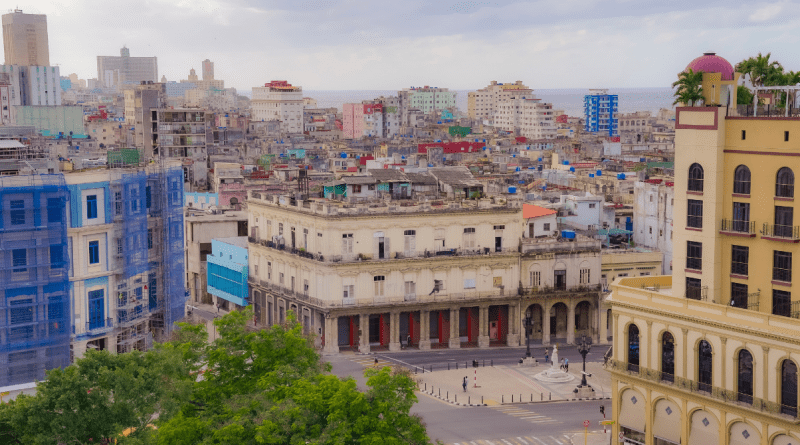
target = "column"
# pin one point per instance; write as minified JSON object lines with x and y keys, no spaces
{"x":618,"y":339}
{"x":546,"y":323}
{"x":514,"y":337}
{"x":724,"y":364}
{"x":483,"y":327}
{"x":650,"y":357}
{"x":765,"y":384}
{"x":394,"y":331}
{"x":603,"y":313}
{"x":649,"y":408}
{"x":331,"y":336}
{"x":424,"y":329}
{"x":363,"y":327}
{"x":455,"y":339}
{"x":571,"y":324}
{"x":594,"y":323}
{"x":684,"y":353}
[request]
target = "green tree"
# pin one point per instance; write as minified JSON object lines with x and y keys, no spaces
{"x":688,"y":88}
{"x":743,"y":95}
{"x":759,"y":69}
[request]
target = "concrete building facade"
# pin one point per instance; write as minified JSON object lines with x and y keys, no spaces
{"x":525,"y":116}
{"x":25,"y":39}
{"x":115,"y":71}
{"x":482,"y":104}
{"x":279,"y":100}
{"x":652,"y":219}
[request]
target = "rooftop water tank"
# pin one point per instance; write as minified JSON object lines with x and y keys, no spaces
{"x":343,"y":155}
{"x":591,"y":175}
{"x":572,"y":169}
{"x":599,"y":173}
{"x":620,"y":175}
{"x":568,"y":234}
{"x":512,"y":189}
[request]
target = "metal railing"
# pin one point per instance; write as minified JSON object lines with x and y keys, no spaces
{"x":781,"y":231}
{"x":737,"y":226}
{"x":107,"y":323}
{"x":767,"y":111}
{"x":703,"y":389}
{"x":698,"y":293}
{"x":550,"y":290}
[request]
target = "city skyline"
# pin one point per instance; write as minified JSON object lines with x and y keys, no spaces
{"x":331,"y":45}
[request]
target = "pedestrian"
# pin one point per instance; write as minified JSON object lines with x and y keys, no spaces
{"x":563,"y":367}
{"x":218,"y":307}
{"x":546,"y":356}
{"x":464,"y":384}
{"x":408,"y":341}
{"x":566,"y":365}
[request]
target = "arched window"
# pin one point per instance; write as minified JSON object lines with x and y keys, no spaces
{"x":695,"y":178}
{"x":633,"y":348}
{"x":784,"y":183}
{"x":667,"y":357}
{"x":789,"y":388}
{"x":741,"y":180}
{"x":704,"y":369}
{"x":745,"y":379}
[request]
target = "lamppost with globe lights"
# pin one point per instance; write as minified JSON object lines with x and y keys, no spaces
{"x":583,"y":348}
{"x":528,"y":329}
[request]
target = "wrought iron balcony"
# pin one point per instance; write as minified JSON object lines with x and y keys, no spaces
{"x":737,"y":227}
{"x":779,"y":232}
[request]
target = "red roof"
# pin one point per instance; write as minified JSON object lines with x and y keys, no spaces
{"x":352,"y":169}
{"x":532,"y":211}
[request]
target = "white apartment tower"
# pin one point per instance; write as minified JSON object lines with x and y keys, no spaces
{"x":482,"y":104}
{"x":279,"y":100}
{"x":525,"y":115}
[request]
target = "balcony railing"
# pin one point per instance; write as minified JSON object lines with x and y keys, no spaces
{"x":713,"y":392}
{"x":697,"y":293}
{"x":737,"y":227}
{"x":102,"y":324}
{"x":779,"y":232}
{"x":577,"y":290}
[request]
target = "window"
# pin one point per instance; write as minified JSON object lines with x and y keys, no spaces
{"x":348,"y":291}
{"x":280,"y":229}
{"x":54,"y":210}
{"x":591,"y":206}
{"x":744,"y":384}
{"x":94,"y":252}
{"x":118,"y":203}
{"x":784,"y":221}
{"x":469,"y":238}
{"x":119,"y":246}
{"x":546,"y":226}
{"x":96,"y":312}
{"x":379,"y":280}
{"x":694,"y":214}
{"x":705,"y":356}
{"x":410,"y":289}
{"x":651,"y":230}
{"x":789,"y":388}
{"x":694,"y":255}
{"x":784,"y":183}
{"x":91,"y":207}
{"x":695,"y":178}
{"x":781,"y":303}
{"x":785,"y":136}
{"x":744,"y":134}
{"x":741,"y":180}
{"x":410,"y":242}
{"x":741,"y":217}
{"x":149,"y":238}
{"x":782,"y":266}
{"x":347,"y":243}
{"x":536,"y":278}
{"x":148,"y":196}
{"x":356,"y":188}
{"x":694,"y":289}
{"x":19,"y":259}
{"x":469,"y":283}
{"x":305,"y":287}
{"x":17,"y":212}
{"x":56,"y":256}
{"x":585,"y":276}
{"x":667,"y":357}
{"x":269,"y":270}
{"x":739,"y":295}
{"x":633,"y":348}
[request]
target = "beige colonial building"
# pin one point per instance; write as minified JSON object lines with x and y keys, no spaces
{"x":403,"y":274}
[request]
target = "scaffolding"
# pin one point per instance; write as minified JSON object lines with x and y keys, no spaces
{"x":34,"y":286}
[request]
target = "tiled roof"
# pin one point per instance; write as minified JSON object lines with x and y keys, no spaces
{"x":533,"y":211}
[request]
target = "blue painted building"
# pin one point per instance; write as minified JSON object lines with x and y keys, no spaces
{"x":600,"y":113}
{"x":200,"y":200}
{"x":228,"y":270}
{"x":35,"y":319}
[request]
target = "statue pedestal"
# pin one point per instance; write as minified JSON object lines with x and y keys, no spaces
{"x":529,"y":361}
{"x":585,"y":392}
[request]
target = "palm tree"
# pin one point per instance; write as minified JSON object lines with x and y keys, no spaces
{"x":689,"y":87}
{"x":760,"y":69}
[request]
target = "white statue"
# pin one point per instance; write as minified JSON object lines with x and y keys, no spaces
{"x":554,"y":360}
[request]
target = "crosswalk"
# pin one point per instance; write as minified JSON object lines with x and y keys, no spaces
{"x":519,"y":440}
{"x":524,"y":412}
{"x":369,"y":361}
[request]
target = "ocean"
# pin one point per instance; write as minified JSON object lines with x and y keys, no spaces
{"x":570,"y":100}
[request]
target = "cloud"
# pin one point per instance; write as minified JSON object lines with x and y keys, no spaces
{"x":765,"y":13}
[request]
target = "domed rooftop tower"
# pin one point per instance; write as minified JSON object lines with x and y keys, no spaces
{"x":719,"y":79}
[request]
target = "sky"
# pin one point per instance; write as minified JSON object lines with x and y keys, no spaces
{"x":392,"y":44}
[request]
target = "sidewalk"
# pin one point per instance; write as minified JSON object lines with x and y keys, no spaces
{"x":509,"y":384}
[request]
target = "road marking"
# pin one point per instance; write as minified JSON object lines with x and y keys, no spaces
{"x":557,"y":441}
{"x":533,"y":417}
{"x":540,"y":441}
{"x":522,"y":440}
{"x":509,"y":443}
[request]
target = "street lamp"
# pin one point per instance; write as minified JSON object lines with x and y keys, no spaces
{"x":583,"y":349}
{"x":528,"y":327}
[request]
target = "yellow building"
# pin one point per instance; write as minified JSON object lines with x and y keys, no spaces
{"x":710,"y":355}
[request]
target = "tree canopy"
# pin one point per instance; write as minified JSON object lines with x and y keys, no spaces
{"x":688,"y":87}
{"x":249,"y":386}
{"x":763,"y":72}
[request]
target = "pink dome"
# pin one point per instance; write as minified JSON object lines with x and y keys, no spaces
{"x":712,"y":63}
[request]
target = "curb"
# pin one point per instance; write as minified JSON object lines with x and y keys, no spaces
{"x":451,"y":402}
{"x":554,"y":401}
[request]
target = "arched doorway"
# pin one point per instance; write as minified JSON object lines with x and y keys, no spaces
{"x":744,"y":434}
{"x":583,"y":320}
{"x":536,"y":330}
{"x":704,"y":429}
{"x":558,"y":323}
{"x":234,"y":201}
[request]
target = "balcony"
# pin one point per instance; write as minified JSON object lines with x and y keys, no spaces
{"x":98,"y":327}
{"x":550,"y":291}
{"x":783,"y":233}
{"x":688,"y":386}
{"x":533,"y":246}
{"x":737,"y":228}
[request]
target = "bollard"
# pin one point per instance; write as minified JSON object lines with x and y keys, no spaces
{"x":431,"y":370}
{"x":448,"y":395}
{"x":426,"y":386}
{"x":531,"y":397}
{"x":469,"y":400}
{"x":520,"y":398}
{"x":440,"y":392}
{"x":551,"y":396}
{"x":512,"y":398}
{"x":481,"y":400}
{"x":502,"y":399}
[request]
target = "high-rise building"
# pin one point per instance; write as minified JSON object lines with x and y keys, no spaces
{"x":525,"y":115}
{"x":279,"y":100}
{"x":208,"y":70}
{"x":431,"y":99}
{"x":25,"y":39}
{"x":600,"y":113}
{"x":114,"y":71}
{"x":482,"y":104}
{"x":710,"y":355}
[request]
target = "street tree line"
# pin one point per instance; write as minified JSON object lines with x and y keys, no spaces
{"x":249,"y":386}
